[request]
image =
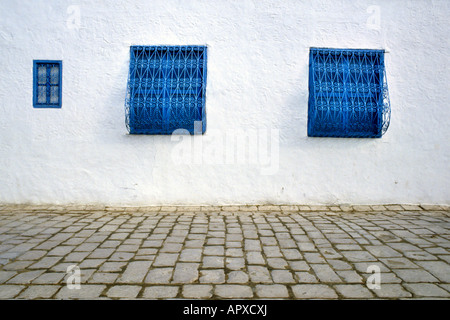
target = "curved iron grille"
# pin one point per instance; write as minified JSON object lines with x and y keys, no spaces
{"x":166,"y":89}
{"x":348,"y":93}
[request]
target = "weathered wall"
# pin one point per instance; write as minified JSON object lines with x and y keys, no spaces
{"x":257,"y":87}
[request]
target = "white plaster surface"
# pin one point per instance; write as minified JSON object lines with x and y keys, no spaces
{"x":257,"y":87}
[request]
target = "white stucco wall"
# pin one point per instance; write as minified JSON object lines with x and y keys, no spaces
{"x":257,"y":82}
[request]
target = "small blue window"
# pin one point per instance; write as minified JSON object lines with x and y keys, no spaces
{"x":166,"y":89}
{"x":47,"y":83}
{"x":348,"y":93}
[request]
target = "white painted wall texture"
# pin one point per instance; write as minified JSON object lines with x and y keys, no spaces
{"x":257,"y":87}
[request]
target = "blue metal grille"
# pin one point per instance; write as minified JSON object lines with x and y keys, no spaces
{"x":166,"y":89}
{"x":47,"y":83}
{"x":348,"y":93}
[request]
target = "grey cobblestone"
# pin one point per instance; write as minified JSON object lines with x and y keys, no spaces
{"x":160,"y":292}
{"x":232,"y":291}
{"x":39,"y":292}
{"x":313,"y":291}
{"x":124,"y":291}
{"x":234,"y":252}
{"x":197,"y":291}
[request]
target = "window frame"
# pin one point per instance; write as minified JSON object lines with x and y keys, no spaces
{"x":346,"y":107}
{"x":199,"y":125}
{"x":36,"y":64}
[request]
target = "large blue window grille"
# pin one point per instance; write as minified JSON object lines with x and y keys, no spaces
{"x":166,"y":89}
{"x":348,"y":93}
{"x":47,"y":83}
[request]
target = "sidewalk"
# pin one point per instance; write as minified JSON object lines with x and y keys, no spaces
{"x":229,"y":252}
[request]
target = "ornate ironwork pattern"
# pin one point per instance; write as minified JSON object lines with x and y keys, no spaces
{"x":166,"y":89}
{"x":47,"y":83}
{"x":348,"y":93}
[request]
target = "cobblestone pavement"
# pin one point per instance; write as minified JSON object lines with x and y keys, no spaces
{"x":230,"y":252}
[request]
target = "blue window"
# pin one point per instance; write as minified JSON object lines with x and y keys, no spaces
{"x":166,"y":89}
{"x":47,"y":83}
{"x":348,"y":93}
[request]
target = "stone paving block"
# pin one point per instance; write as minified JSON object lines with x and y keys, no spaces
{"x":165,"y":260}
{"x":87,"y":247}
{"x":272,"y":291}
{"x":391,"y":291}
{"x":45,"y":263}
{"x":339,"y":265}
{"x":282,"y":276}
{"x":213,"y":262}
{"x":39,"y":292}
{"x":191,"y":255}
{"x":259,"y":274}
{"x":399,"y":263}
{"x":272,"y":252}
{"x":32,"y":255}
{"x":426,"y":290}
{"x":91,"y":263}
{"x":362,"y":267}
{"x":25,"y":277}
{"x":10,"y":291}
{"x":76,"y":256}
{"x":445,"y":286}
{"x":121,"y":256}
{"x":61,"y":250}
{"x":386,"y":277}
{"x":306,"y":246}
{"x":277,"y":263}
{"x":50,"y":278}
{"x":86,"y":291}
{"x":394,"y":207}
{"x":197,"y":291}
{"x":237,"y":277}
{"x":160,"y":292}
{"x":299,"y":265}
{"x":234,"y":252}
{"x":214,"y":250}
{"x":17,"y":265}
{"x":6,"y":275}
{"x":215,"y":241}
{"x":233,"y":291}
{"x":358,"y":256}
{"x":101,"y":253}
{"x":415,"y":275}
{"x":439,"y":269}
{"x":159,"y":275}
{"x":252,"y":245}
{"x":255,"y":258}
{"x":123,"y":291}
{"x":350,"y":276}
{"x":103,"y":277}
{"x":305,"y":277}
{"x":292,"y":254}
{"x":383,"y":251}
{"x":172,"y":247}
{"x":135,"y":272}
{"x":113,"y":266}
{"x":212,"y":276}
{"x":355,"y":291}
{"x":313,"y":257}
{"x":313,"y":291}
{"x":325,"y":273}
{"x":185,"y":272}
{"x":235,"y":263}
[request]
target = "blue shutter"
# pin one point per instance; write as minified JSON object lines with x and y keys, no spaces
{"x":166,"y":89}
{"x":47,"y":83}
{"x":348,"y":93}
